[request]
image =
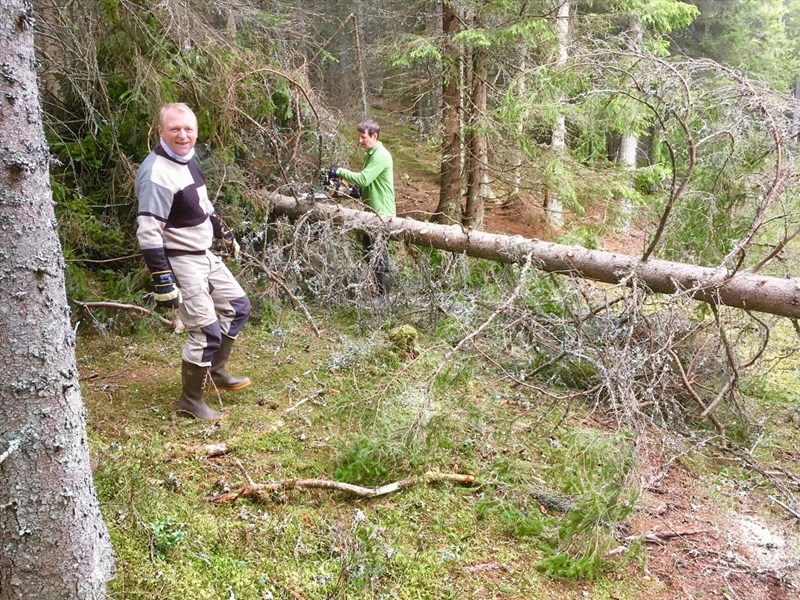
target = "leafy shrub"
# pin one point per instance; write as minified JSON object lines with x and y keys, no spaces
{"x":580,"y":236}
{"x":167,"y":534}
{"x":545,"y":294}
{"x":401,"y":441}
{"x":372,"y":460}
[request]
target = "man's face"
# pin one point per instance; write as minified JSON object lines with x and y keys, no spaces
{"x":178,"y":129}
{"x":367,"y":140}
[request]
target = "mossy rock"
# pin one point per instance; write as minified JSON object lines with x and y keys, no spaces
{"x":404,"y":340}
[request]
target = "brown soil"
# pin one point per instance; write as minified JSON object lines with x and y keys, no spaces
{"x":726,"y":547}
{"x":729,"y":546}
{"x":419,"y":201}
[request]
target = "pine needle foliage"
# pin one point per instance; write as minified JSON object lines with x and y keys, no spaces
{"x":577,"y":518}
{"x":108,"y":65}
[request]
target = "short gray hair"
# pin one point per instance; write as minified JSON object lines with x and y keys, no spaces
{"x":181,"y":106}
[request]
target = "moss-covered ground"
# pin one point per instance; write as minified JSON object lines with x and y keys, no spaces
{"x":363,"y":404}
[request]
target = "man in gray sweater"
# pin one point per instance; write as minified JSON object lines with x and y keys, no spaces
{"x":176,"y":226}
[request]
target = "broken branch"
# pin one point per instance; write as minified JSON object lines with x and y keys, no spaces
{"x":261,"y":490}
{"x":652,"y":537}
{"x":121,"y":306}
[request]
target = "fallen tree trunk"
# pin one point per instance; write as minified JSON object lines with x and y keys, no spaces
{"x":760,"y":293}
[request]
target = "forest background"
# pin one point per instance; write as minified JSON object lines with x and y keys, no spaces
{"x":593,"y":417}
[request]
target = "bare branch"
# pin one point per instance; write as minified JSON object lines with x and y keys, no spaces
{"x":261,"y":491}
{"x":121,"y":306}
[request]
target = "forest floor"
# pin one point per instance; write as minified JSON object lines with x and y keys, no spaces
{"x":319,"y":404}
{"x":724,"y":544}
{"x":719,"y":545}
{"x":338,"y":402}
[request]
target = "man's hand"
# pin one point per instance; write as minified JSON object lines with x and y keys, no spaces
{"x":167,"y":294}
{"x":231,"y":247}
{"x":228,"y":245}
{"x":332,"y":171}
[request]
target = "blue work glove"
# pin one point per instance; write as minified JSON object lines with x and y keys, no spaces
{"x":167,"y":294}
{"x":332,"y":171}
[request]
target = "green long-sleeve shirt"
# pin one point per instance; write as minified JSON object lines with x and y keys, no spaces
{"x":376,"y":180}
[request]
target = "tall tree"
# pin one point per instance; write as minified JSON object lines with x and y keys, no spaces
{"x":629,"y":142}
{"x":54,"y":541}
{"x":554,"y":210}
{"x":756,"y":36}
{"x":478,"y":163}
{"x":449,"y":208}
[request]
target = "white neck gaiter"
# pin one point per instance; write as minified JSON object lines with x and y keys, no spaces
{"x":171,"y":154}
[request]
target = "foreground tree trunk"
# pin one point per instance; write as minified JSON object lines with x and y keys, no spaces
{"x":715,"y":286}
{"x":54,"y":541}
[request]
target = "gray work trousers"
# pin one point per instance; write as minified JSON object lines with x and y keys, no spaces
{"x":214,"y":304}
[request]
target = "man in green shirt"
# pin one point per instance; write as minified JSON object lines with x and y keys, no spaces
{"x":376,"y":180}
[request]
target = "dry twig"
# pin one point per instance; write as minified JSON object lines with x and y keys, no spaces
{"x":297,"y":302}
{"x":261,"y":491}
{"x":121,"y":306}
{"x":690,"y":388}
{"x":653,"y":537}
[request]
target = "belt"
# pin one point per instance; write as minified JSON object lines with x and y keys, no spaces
{"x":170,"y":252}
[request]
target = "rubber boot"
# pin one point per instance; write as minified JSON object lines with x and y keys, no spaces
{"x":191,"y":401}
{"x":221,"y":378}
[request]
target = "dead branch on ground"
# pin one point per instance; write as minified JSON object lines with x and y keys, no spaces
{"x":132,"y":307}
{"x":261,"y":491}
{"x":653,"y":537}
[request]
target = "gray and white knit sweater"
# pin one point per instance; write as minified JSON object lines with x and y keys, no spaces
{"x":174,"y":215}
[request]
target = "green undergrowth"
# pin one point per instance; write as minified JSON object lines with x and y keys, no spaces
{"x":365,"y":406}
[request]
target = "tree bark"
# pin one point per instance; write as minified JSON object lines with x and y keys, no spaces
{"x":518,"y":153}
{"x":449,"y":208}
{"x":54,"y":541}
{"x":713,"y":285}
{"x":478,"y":170}
{"x":796,"y":113}
{"x":553,"y":207}
{"x":360,"y":60}
{"x":629,"y":142}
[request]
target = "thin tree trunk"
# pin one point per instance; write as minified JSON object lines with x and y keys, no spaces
{"x":54,"y":541}
{"x":628,"y":148}
{"x":518,"y":158}
{"x":427,"y":106}
{"x":553,"y":207}
{"x":629,"y":143}
{"x":796,"y":114}
{"x":464,"y":98}
{"x":449,"y":208}
{"x":478,"y":173}
{"x":360,"y":61}
{"x":713,"y":285}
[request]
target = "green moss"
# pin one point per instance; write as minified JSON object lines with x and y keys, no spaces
{"x":347,"y":407}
